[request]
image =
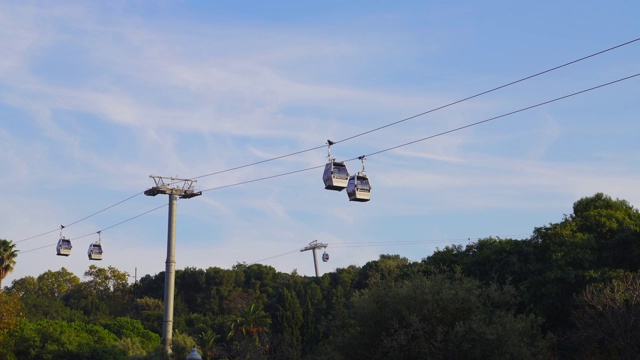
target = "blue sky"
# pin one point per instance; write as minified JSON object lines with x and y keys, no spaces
{"x":96,"y":96}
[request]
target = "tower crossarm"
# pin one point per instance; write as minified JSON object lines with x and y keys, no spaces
{"x":314,"y":245}
{"x":182,"y":188}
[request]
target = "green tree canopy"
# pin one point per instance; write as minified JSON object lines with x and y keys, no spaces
{"x":106,"y":292}
{"x":61,"y":340}
{"x":124,"y":328}
{"x":441,"y":317}
{"x":43,"y":296}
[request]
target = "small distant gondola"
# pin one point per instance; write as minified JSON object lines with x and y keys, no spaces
{"x":64,"y":245}
{"x":359,"y":187}
{"x":325,"y":257}
{"x":335,"y":174}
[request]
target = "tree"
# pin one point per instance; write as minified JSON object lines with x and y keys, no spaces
{"x":386,"y":268}
{"x":208,"y":347}
{"x":125,"y":328}
{"x":346,"y":278}
{"x":194,"y":280}
{"x":252,"y":321}
{"x":10,"y":316}
{"x":181,"y":345}
{"x":312,"y":311}
{"x":248,"y":334}
{"x":441,"y":317}
{"x":600,"y":237}
{"x":26,"y":286}
{"x":337,"y":325}
{"x":107,"y":281}
{"x":42,"y":296}
{"x":61,"y":340}
{"x":287,"y":325}
{"x":149,"y":312}
{"x":8,"y":255}
{"x":56,"y":284}
{"x":615,"y":227}
{"x":607,"y":319}
{"x":105,"y":293}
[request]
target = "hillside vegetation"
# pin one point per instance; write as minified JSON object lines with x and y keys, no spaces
{"x":570,"y":291}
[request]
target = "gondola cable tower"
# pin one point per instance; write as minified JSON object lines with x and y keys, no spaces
{"x":313,"y":246}
{"x":175,"y":188}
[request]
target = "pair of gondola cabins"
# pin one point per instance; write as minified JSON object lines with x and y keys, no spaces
{"x":64,"y":247}
{"x":336,"y":177}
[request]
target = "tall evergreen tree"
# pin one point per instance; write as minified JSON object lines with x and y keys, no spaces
{"x":287,"y":324}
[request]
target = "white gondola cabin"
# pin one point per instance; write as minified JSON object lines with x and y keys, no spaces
{"x":64,"y":247}
{"x":359,"y":187}
{"x":95,"y":251}
{"x":325,"y":257}
{"x":335,"y":174}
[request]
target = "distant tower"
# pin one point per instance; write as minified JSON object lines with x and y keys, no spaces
{"x":313,"y":246}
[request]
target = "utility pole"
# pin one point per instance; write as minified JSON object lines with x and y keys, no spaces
{"x":175,"y":188}
{"x":313,"y":246}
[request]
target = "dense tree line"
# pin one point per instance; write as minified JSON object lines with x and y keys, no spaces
{"x":570,"y":291}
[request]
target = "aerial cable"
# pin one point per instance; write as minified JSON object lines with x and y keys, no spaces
{"x":35,"y":236}
{"x":387,"y":243}
{"x":374,"y":153}
{"x":99,"y":231}
{"x":425,"y":112}
{"x":385,"y":126}
{"x":374,"y":243}
{"x":275,"y":256}
{"x":38,"y":248}
{"x":433,"y":136}
{"x":105,"y":209}
{"x":260,"y":162}
{"x":501,"y":116}
{"x":413,"y":242}
{"x":122,"y":222}
{"x":394,"y":147}
{"x":134,"y":217}
{"x":368,"y":155}
{"x":84,"y":218}
{"x":488,"y":91}
{"x":263,"y":178}
{"x":359,"y":134}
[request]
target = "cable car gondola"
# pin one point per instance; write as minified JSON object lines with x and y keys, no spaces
{"x":358,"y":187}
{"x":335,"y":174}
{"x":325,"y":257}
{"x":95,"y":249}
{"x":64,"y":245}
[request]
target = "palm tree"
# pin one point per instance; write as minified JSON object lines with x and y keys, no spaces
{"x":8,"y":255}
{"x":208,"y":346}
{"x":253,"y":321}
